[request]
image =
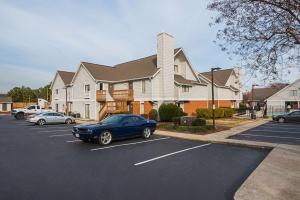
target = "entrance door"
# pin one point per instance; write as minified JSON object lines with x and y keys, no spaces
{"x":4,"y":107}
{"x":87,"y":111}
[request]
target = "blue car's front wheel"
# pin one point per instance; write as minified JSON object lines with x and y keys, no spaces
{"x":147,"y":133}
{"x":105,"y":138}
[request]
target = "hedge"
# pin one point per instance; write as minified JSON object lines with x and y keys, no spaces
{"x":219,"y":113}
{"x":153,"y":114}
{"x":199,"y":122}
{"x":168,"y":111}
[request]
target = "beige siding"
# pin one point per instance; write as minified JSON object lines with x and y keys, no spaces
{"x":60,"y":98}
{"x":138,"y":94}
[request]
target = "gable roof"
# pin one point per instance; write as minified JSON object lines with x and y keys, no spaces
{"x":181,"y":80}
{"x":66,"y":76}
{"x":220,"y":77}
{"x":5,"y":99}
{"x":284,"y":87}
{"x":135,"y":69}
{"x":261,"y":94}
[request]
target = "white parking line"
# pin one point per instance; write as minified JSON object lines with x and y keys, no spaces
{"x":72,"y":141}
{"x":47,"y":128}
{"x":51,"y":136}
{"x":272,"y":136}
{"x":261,"y":130}
{"x":119,"y":145}
{"x":170,"y":154}
{"x":51,"y":131}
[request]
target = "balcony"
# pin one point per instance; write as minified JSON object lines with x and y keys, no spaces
{"x":101,"y":95}
{"x":123,"y":95}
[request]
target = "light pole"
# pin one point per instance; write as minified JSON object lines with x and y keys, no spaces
{"x":252,"y":98}
{"x":213,"y":95}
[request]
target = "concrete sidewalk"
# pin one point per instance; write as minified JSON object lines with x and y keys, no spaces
{"x":221,"y":137}
{"x":276,"y":178}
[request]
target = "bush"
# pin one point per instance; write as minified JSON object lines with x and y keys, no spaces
{"x":153,"y":114}
{"x":168,"y":111}
{"x":122,"y":112}
{"x":219,"y":112}
{"x":176,"y":120}
{"x":145,"y":116}
{"x":199,"y":122}
{"x":204,"y":113}
{"x":228,"y":112}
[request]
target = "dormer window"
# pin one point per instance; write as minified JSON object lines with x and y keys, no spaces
{"x":185,"y":88}
{"x":176,"y":70}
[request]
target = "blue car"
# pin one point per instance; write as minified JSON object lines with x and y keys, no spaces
{"x":114,"y":128}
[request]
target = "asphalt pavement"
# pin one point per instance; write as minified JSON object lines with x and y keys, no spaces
{"x":49,"y":163}
{"x":273,"y":132}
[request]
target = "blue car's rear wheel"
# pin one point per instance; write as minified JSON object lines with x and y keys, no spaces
{"x":105,"y":138}
{"x":146,"y":133}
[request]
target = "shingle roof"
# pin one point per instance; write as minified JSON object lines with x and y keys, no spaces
{"x":135,"y":69}
{"x":66,"y":76}
{"x":181,"y":80}
{"x":5,"y":99}
{"x":220,"y":76}
{"x":261,"y":94}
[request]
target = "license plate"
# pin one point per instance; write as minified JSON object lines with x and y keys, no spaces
{"x":77,"y":135}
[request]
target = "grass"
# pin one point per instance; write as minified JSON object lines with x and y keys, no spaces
{"x":189,"y":129}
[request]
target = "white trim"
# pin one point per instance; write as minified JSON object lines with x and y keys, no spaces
{"x":76,"y":73}
{"x":283,"y":89}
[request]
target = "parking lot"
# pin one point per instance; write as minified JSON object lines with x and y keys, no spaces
{"x":49,"y":163}
{"x":282,"y":133}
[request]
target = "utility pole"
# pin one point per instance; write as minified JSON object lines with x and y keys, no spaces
{"x":213,"y":95}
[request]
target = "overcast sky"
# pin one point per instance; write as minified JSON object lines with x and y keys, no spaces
{"x":39,"y":37}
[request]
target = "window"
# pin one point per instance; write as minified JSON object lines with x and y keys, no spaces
{"x":56,"y":91}
{"x":31,"y":107}
{"x":142,"y":108}
{"x":38,"y":107}
{"x":296,"y":113}
{"x":185,"y":88}
{"x":56,"y":107}
{"x":176,"y":69}
{"x":294,"y":93}
{"x":87,"y":88}
{"x":143,"y":86}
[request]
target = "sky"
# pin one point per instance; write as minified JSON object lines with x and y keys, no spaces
{"x":38,"y":37}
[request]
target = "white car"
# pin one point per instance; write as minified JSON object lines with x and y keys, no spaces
{"x":50,"y":118}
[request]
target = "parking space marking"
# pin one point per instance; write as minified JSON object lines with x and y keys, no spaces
{"x":170,"y":154}
{"x":270,"y":136}
{"x":61,"y":135}
{"x":45,"y":128}
{"x":51,"y":131}
{"x":72,"y":141}
{"x":261,"y":130}
{"x":119,"y":145}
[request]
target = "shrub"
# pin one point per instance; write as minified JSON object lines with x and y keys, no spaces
{"x":168,"y":111}
{"x":122,"y":112}
{"x":219,"y":112}
{"x":153,"y":114}
{"x":199,"y":122}
{"x":145,"y":116}
{"x":176,"y":120}
{"x":204,"y":113}
{"x":228,"y":112}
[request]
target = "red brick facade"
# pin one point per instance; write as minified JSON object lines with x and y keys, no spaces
{"x":191,"y":106}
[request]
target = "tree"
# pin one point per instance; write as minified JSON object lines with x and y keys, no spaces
{"x":26,"y":94}
{"x":264,"y":33}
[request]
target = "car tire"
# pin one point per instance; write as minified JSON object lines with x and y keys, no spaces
{"x":105,"y":138}
{"x":281,"y":120}
{"x":68,"y":121}
{"x":19,"y":116}
{"x":41,"y":122}
{"x":146,"y":133}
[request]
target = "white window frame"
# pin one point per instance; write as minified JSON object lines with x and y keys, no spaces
{"x":176,"y":68}
{"x":294,"y":93}
{"x":185,"y":89}
{"x":142,"y":108}
{"x":56,"y":91}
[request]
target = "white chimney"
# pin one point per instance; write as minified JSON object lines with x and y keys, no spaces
{"x":165,"y":61}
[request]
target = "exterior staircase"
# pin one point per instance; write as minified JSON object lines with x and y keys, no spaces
{"x":111,"y":107}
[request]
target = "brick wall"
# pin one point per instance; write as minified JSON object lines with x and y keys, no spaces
{"x":191,"y":106}
{"x":136,"y":107}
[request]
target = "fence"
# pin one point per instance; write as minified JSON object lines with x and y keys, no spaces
{"x":276,"y":110}
{"x":22,"y":104}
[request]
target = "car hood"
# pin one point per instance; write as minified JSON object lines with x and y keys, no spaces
{"x":91,"y":126}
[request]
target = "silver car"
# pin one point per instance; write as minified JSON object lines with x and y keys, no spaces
{"x":50,"y":118}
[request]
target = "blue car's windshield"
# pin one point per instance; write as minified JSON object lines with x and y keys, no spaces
{"x":112,"y":120}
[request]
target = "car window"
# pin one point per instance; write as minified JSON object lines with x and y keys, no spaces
{"x":31,"y":107}
{"x":296,"y":113}
{"x":113,"y":119}
{"x":38,"y":107}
